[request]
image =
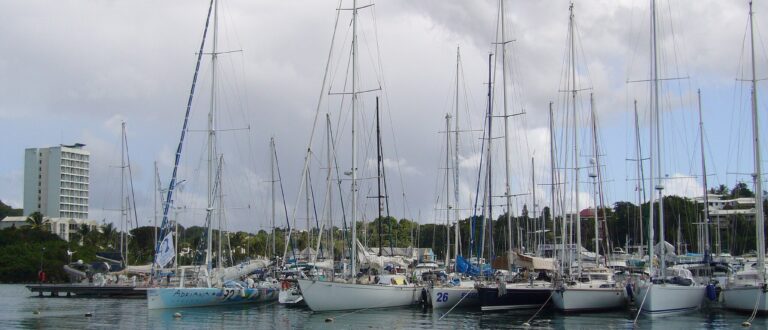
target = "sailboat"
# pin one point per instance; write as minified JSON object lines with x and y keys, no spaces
{"x":386,"y":290}
{"x":748,"y":291}
{"x":458,"y":291}
{"x":662,"y":294}
{"x":214,"y":286}
{"x":591,"y":289}
{"x":531,"y":288}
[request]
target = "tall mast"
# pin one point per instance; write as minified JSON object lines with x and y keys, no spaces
{"x":353,"y":257}
{"x":456,"y":160}
{"x":575,"y":140}
{"x":272,"y":176}
{"x":378,"y":170}
{"x":329,"y":178}
{"x":654,"y":150}
{"x":757,"y":176}
{"x":507,"y":193}
{"x":704,"y":179}
{"x":212,"y":139}
{"x":447,"y":191}
{"x":489,"y":194}
{"x":540,"y":235}
{"x":553,"y":187}
{"x":154,"y":202}
{"x":596,"y":177}
{"x":123,"y":203}
{"x":640,"y":177}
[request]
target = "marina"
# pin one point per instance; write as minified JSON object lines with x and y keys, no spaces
{"x":323,"y":216}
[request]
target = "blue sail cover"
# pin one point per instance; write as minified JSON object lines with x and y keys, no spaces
{"x":463,"y":266}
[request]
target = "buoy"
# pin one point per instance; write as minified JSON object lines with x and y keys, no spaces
{"x":526,"y":324}
{"x":330,"y":319}
{"x":177,"y":315}
{"x":89,"y":314}
{"x":746,"y":324}
{"x":36,"y":312}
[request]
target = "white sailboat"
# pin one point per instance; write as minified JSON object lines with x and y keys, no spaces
{"x":662,"y":295}
{"x":592,"y":289}
{"x":748,"y":290}
{"x":389,"y":290}
{"x":213,"y":286}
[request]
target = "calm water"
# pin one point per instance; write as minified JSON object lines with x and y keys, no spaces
{"x":17,"y":308}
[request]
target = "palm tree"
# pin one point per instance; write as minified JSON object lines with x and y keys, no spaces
{"x":108,"y":233}
{"x":36,"y":221}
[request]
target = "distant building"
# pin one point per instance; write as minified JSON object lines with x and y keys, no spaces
{"x":59,"y":226}
{"x":726,"y":209}
{"x":56,"y":181}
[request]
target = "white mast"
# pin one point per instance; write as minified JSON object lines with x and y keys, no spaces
{"x":212,"y":140}
{"x":456,"y":161}
{"x":353,"y":257}
{"x":575,"y":141}
{"x":654,"y":146}
{"x":704,"y":179}
{"x":123,"y":203}
{"x":757,"y":175}
{"x":272,"y":181}
{"x":447,"y":192}
{"x":507,"y":193}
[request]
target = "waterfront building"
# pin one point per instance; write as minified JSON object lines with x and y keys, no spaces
{"x":56,"y":181}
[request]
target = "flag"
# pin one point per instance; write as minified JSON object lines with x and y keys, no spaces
{"x":166,"y":252}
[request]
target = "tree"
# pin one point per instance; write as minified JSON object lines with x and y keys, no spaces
{"x":108,"y":234}
{"x":741,"y":190}
{"x":36,"y":221}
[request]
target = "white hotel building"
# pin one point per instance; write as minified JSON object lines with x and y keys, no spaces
{"x":56,"y":181}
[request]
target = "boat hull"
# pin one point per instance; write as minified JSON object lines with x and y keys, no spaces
{"x":745,"y":298}
{"x":448,"y":297}
{"x":331,"y":296}
{"x":663,"y":299}
{"x":515,"y":298}
{"x":588,"y":299}
{"x":159,"y":298}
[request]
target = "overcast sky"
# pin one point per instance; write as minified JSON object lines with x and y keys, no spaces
{"x":72,"y":70}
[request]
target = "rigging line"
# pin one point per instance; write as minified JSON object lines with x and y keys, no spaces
{"x":383,"y":83}
{"x":285,"y":207}
{"x":130,"y":179}
{"x":169,"y":197}
{"x":314,"y":126}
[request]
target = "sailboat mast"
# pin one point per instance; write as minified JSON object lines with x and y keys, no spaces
{"x":456,"y":160}
{"x":507,"y":194}
{"x":597,"y":182}
{"x":489,"y":194}
{"x":757,"y":176}
{"x":272,"y":180}
{"x":640,"y":177}
{"x":212,"y":139}
{"x":553,"y":187}
{"x":353,"y":256}
{"x":654,"y":150}
{"x":575,"y":140}
{"x":123,"y":203}
{"x":704,"y":179}
{"x":540,"y":236}
{"x":447,"y":191}
{"x":378,"y":170}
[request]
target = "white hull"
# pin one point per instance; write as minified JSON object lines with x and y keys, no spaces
{"x":159,"y":298}
{"x":448,"y":297}
{"x":331,"y":296}
{"x":588,"y":299}
{"x":745,"y":298}
{"x":666,"y":299}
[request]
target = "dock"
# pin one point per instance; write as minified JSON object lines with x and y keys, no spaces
{"x":91,"y":291}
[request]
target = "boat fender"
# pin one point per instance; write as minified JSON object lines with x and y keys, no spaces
{"x":177,"y":315}
{"x":456,"y":281}
{"x":711,"y":292}
{"x":88,"y":314}
{"x":424,"y":297}
{"x":630,"y":293}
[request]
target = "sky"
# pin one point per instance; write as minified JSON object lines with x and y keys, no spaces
{"x":73,"y":70}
